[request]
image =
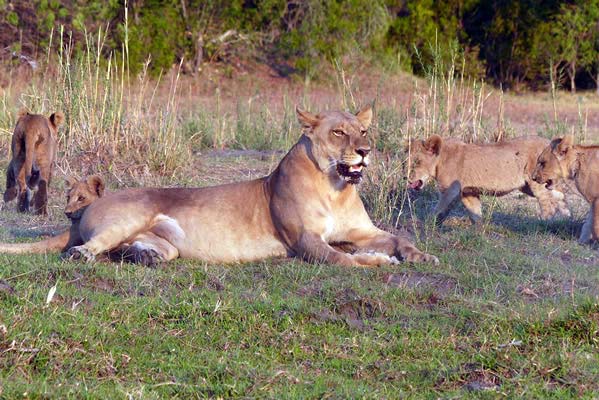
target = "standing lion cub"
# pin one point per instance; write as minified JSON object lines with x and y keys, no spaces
{"x":562,"y":159}
{"x":466,"y":171}
{"x":33,"y":147}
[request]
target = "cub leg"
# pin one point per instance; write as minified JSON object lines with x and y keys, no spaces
{"x":595,"y":218}
{"x":550,"y":201}
{"x":11,"y":184}
{"x":446,"y":200}
{"x":585,"y":233}
{"x":40,"y":200}
{"x":473,"y":206}
{"x":374,"y":239}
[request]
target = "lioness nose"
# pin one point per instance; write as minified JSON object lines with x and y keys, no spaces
{"x":363,"y":151}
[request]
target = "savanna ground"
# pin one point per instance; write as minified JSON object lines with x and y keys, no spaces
{"x":511,"y":311}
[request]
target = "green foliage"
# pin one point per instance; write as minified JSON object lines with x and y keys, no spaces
{"x":512,"y":42}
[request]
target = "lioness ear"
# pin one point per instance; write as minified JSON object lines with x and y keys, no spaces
{"x":57,"y":119}
{"x":308,"y":120}
{"x":70,"y":181}
{"x":433,"y":144}
{"x":97,"y":184}
{"x":365,"y":116}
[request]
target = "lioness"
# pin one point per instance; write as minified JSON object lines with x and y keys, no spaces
{"x":564,"y":160}
{"x":307,"y":204}
{"x":80,"y":194}
{"x":33,"y":152}
{"x":466,"y":171}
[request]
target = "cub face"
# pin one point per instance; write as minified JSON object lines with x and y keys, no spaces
{"x":81,"y":194}
{"x":554,"y":162}
{"x":422,"y":161}
{"x":340,"y":140}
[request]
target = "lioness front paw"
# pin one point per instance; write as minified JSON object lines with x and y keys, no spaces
{"x":373,"y":259}
{"x":80,"y":253}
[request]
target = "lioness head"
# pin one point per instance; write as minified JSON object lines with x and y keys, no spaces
{"x":422,"y":160}
{"x":81,"y":194}
{"x":340,"y":141}
{"x":554,"y":162}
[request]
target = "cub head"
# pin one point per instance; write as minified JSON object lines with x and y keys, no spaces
{"x":423,"y":158}
{"x":339,"y":140}
{"x":555,"y":161}
{"x":81,"y":193}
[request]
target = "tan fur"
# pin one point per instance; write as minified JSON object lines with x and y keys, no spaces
{"x":80,"y":194}
{"x":305,"y":207}
{"x":33,"y":149}
{"x":562,"y":159}
{"x":466,"y":171}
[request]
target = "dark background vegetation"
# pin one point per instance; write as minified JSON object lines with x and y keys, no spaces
{"x":515,"y":43}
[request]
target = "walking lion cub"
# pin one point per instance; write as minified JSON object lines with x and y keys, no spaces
{"x":562,"y":159}
{"x":467,"y":171}
{"x":34,"y":143}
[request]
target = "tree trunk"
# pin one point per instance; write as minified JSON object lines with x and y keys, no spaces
{"x":572,"y":77}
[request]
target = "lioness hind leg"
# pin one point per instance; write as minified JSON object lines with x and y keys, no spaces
{"x":474,"y":208}
{"x":149,"y":249}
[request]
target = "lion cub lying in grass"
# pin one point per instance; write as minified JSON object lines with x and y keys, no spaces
{"x":466,"y":171}
{"x":80,"y":195}
{"x":33,"y":147}
{"x":564,"y":160}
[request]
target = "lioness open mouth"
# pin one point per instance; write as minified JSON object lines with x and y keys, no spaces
{"x":352,"y":174}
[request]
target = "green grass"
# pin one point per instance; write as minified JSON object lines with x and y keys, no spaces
{"x":510,"y":312}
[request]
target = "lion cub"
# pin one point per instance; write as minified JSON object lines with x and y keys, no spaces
{"x":80,"y":194}
{"x":564,"y":160}
{"x":466,"y":171}
{"x":34,"y":143}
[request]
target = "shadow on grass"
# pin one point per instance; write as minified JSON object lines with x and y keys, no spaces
{"x":566,"y":228}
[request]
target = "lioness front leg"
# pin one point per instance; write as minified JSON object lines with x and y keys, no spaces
{"x":383,"y":242}
{"x":312,"y":248}
{"x":105,"y":238}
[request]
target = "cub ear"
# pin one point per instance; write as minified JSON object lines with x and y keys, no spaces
{"x":308,"y":120}
{"x":560,"y":146}
{"x":433,"y":144}
{"x":57,"y":119}
{"x":70,"y":181}
{"x":365,"y":116}
{"x":96,"y":183}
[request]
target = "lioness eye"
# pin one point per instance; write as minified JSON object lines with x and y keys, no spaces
{"x":338,"y":132}
{"x":80,"y":198}
{"x":364,"y":132}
